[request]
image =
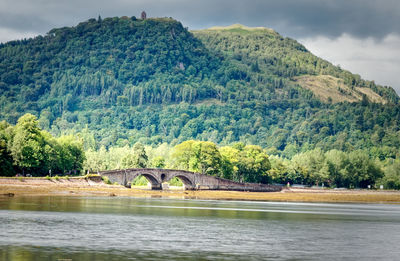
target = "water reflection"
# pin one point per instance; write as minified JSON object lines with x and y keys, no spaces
{"x":79,"y":228}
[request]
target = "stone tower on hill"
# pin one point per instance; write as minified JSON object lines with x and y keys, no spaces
{"x":143,"y":15}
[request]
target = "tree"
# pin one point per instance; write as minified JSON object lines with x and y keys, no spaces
{"x":96,"y":160}
{"x":137,"y":159}
{"x":182,"y":154}
{"x":311,"y":165}
{"x":28,"y":145}
{"x":6,"y":160}
{"x":337,"y":162}
{"x":229,"y":162}
{"x":206,"y":158}
{"x":158,"y":162}
{"x":253,"y":165}
{"x":71,"y":154}
{"x":279,"y":169}
{"x":391,"y":180}
{"x":53,"y":154}
{"x":363,"y":170}
{"x":197,"y":156}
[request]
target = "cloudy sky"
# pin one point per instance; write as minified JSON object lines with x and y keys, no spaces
{"x":362,"y":36}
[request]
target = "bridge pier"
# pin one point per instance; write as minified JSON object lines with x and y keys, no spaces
{"x":156,"y":186}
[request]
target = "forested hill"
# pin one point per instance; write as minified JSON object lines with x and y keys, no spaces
{"x":102,"y":62}
{"x":116,"y":81}
{"x":275,"y":62}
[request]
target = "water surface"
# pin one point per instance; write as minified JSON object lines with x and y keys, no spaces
{"x":118,"y":228}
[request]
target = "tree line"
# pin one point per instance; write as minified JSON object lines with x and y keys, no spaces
{"x":26,"y":149}
{"x":251,"y":163}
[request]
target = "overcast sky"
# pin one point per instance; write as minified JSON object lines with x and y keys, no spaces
{"x":362,"y":36}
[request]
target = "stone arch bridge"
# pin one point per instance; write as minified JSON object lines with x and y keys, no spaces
{"x":191,"y":180}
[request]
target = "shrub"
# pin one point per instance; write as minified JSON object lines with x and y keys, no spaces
{"x":106,"y":180}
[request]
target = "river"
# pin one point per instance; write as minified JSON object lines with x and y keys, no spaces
{"x":125,"y":228}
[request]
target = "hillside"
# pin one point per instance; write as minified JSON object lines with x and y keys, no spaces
{"x":268,"y":57}
{"x":116,"y":81}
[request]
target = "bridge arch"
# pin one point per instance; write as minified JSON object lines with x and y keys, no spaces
{"x":154,"y":181}
{"x":187,"y":182}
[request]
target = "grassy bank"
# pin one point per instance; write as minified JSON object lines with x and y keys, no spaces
{"x":88,"y":187}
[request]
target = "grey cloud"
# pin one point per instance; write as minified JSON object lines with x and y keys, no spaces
{"x":297,"y":18}
{"x":373,"y":60}
{"x":22,"y":22}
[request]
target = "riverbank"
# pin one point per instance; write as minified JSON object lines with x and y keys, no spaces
{"x":80,"y":186}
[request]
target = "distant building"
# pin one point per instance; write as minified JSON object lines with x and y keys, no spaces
{"x":143,"y":15}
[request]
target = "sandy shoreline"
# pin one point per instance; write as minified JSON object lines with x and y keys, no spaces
{"x":15,"y":187}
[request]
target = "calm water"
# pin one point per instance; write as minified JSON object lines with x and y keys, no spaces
{"x":87,"y":228}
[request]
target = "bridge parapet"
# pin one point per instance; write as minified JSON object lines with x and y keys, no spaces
{"x":190,"y":180}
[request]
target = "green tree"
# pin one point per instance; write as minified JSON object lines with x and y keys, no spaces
{"x":158,"y":162}
{"x":28,"y":145}
{"x":71,"y":154}
{"x":311,"y":165}
{"x":206,"y":158}
{"x":137,"y":159}
{"x":6,"y":160}
{"x":197,"y":156}
{"x":182,"y":154}
{"x":363,"y":170}
{"x":279,"y":169}
{"x":391,"y":180}
{"x":229,"y":162}
{"x":337,"y":163}
{"x":253,"y":165}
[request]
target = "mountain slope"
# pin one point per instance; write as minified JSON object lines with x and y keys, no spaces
{"x":269,"y":56}
{"x":121,"y":80}
{"x":99,"y":60}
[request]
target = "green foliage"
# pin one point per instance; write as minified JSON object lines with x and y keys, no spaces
{"x":6,"y":160}
{"x":28,"y":149}
{"x":391,"y":179}
{"x":311,"y":165}
{"x":332,"y":168}
{"x":115,"y":82}
{"x":230,"y":161}
{"x":241,"y":163}
{"x":110,"y":60}
{"x":117,"y":158}
{"x":175,"y":182}
{"x":71,"y":153}
{"x":137,"y":159}
{"x":363,"y":170}
{"x":250,"y":163}
{"x":106,"y":180}
{"x":245,"y":163}
{"x":206,"y":158}
{"x":140,"y":181}
{"x":198,"y":156}
{"x":158,"y":162}
{"x":182,"y":155}
{"x":253,"y":164}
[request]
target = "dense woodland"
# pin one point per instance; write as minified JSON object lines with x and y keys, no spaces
{"x":26,"y":149}
{"x":117,"y":82}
